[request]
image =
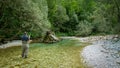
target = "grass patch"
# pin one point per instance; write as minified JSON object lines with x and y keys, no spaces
{"x":64,"y":54}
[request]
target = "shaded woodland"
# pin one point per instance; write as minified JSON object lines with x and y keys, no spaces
{"x":64,"y":17}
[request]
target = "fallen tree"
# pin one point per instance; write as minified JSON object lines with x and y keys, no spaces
{"x":50,"y":37}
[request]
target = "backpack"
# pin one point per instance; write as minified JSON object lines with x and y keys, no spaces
{"x":25,"y":38}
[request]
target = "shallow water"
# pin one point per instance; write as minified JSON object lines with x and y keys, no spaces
{"x":12,"y":43}
{"x":64,"y":54}
{"x":101,"y":54}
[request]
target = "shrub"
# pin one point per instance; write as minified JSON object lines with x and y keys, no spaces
{"x":84,"y":28}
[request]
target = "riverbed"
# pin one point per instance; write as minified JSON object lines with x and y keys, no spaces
{"x":103,"y":53}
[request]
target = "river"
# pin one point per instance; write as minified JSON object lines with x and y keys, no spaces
{"x":104,"y":52}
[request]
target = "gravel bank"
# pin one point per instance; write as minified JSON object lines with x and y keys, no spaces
{"x":103,"y":53}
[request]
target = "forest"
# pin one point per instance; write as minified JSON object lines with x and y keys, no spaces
{"x":64,"y":17}
{"x":60,"y":33}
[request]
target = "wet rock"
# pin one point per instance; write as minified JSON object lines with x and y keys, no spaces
{"x":106,"y":56}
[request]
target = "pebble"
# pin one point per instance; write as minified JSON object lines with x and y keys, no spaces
{"x":103,"y":53}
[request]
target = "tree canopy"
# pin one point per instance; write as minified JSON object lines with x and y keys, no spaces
{"x":71,"y":17}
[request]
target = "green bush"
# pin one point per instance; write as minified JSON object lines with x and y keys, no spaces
{"x":100,"y":22}
{"x":18,"y":16}
{"x":84,"y":28}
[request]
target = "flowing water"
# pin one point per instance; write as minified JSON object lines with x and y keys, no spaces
{"x":12,"y":43}
{"x":103,"y":53}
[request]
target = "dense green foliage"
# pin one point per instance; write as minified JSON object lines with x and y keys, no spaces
{"x":72,"y":17}
{"x":85,"y":17}
{"x":17,"y":16}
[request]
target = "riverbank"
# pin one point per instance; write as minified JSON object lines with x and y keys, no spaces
{"x":103,"y":53}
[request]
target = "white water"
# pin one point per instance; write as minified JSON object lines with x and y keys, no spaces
{"x":12,"y":43}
